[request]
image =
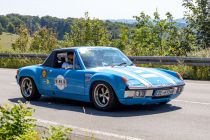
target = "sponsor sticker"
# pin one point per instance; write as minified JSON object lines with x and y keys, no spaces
{"x":44,"y":73}
{"x":47,"y":81}
{"x":60,"y":82}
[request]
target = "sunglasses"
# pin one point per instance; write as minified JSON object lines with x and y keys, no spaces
{"x":70,"y":59}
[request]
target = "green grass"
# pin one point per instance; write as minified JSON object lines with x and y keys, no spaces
{"x":6,"y":40}
{"x":200,"y":53}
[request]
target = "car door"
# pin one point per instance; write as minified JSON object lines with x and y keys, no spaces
{"x":75,"y":81}
{"x":67,"y":82}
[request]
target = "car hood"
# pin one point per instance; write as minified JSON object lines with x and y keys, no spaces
{"x":138,"y":76}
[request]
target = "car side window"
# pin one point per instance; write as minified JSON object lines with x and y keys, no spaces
{"x":76,"y":63}
{"x":60,"y":59}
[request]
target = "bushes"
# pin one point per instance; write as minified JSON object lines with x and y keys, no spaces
{"x":16,"y":124}
{"x":188,"y":72}
{"x":58,"y":133}
{"x":18,"y":62}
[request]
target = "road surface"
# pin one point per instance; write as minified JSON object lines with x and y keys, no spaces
{"x":185,"y":118}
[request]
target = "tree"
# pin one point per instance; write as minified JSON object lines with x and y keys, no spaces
{"x":22,"y":41}
{"x":123,"y":40}
{"x":4,"y":21}
{"x":198,"y":18}
{"x":89,"y":32}
{"x":141,"y":36}
{"x":159,"y":36}
{"x":43,"y":40}
{"x":160,"y":31}
{"x":10,"y":28}
{"x":187,"y":42}
{"x":1,"y":29}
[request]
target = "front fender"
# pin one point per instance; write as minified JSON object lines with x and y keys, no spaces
{"x":114,"y":81}
{"x":173,"y":73}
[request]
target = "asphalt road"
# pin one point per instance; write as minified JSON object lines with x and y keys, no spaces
{"x":185,"y":118}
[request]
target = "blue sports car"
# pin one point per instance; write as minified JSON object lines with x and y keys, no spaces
{"x":101,"y":75}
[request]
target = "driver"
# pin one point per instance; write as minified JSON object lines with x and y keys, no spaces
{"x":69,"y":64}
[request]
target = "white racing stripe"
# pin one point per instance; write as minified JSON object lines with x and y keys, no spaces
{"x":149,"y":75}
{"x":193,"y":102}
{"x":162,"y":75}
{"x":143,"y":81}
{"x":88,"y":130}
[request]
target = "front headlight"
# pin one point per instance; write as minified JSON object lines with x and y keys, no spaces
{"x":134,"y":84}
{"x":134,"y":94}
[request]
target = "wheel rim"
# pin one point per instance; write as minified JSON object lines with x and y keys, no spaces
{"x":26,"y":87}
{"x":101,"y":95}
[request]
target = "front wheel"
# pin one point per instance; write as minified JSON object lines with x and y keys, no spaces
{"x":28,"y":89}
{"x":103,"y":96}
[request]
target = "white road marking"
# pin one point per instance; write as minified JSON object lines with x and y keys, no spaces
{"x":88,"y":130}
{"x":193,"y":102}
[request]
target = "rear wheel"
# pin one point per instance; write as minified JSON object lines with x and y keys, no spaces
{"x":103,"y":96}
{"x":28,"y":89}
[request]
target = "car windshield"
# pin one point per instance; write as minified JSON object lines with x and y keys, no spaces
{"x":103,"y":57}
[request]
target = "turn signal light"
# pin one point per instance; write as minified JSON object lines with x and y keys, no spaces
{"x":124,"y":79}
{"x":17,"y":72}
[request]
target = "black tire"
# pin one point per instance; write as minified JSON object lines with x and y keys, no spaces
{"x":111,"y":102}
{"x":163,"y":103}
{"x":31,"y":93}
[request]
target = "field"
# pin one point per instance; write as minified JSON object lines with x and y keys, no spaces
{"x":6,"y":40}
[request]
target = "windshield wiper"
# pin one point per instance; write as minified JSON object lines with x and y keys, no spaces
{"x":123,"y":63}
{"x":131,"y":64}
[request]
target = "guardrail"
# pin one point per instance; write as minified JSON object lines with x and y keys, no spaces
{"x":22,"y":55}
{"x":159,"y":60}
{"x":171,"y":60}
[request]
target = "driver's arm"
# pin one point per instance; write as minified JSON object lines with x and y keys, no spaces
{"x":66,"y":65}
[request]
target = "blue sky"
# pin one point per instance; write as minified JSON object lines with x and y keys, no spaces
{"x":102,"y":9}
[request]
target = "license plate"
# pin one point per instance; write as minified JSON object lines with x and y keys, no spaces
{"x":164,"y":92}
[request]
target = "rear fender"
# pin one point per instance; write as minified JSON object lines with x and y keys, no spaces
{"x":32,"y":73}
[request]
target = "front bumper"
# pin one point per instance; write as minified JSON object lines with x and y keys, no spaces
{"x":148,"y":96}
{"x":17,"y":79}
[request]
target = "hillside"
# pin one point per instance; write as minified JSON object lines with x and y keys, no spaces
{"x":9,"y":22}
{"x":180,"y":22}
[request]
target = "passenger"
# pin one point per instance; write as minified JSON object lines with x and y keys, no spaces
{"x":69,"y":64}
